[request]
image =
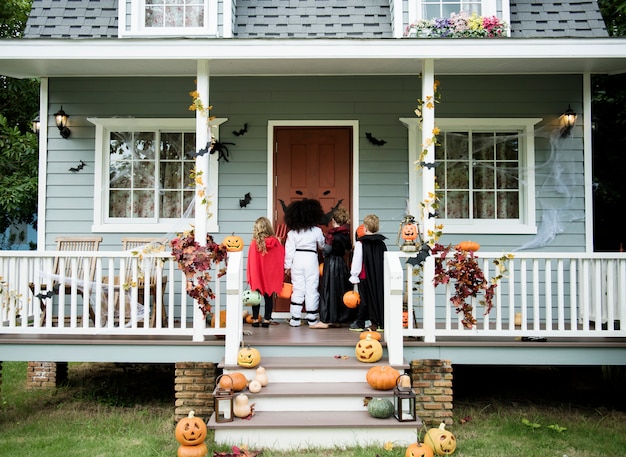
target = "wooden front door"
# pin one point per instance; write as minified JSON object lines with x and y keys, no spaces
{"x":311,"y":162}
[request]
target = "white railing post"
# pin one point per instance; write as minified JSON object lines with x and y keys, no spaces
{"x":394,"y":289}
{"x":234,"y":317}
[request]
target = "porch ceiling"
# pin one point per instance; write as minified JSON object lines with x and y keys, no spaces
{"x":178,"y":57}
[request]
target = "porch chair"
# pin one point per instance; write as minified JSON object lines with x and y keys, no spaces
{"x":67,"y":243}
{"x":131,"y":243}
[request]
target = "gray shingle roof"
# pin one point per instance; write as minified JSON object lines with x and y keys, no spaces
{"x":556,"y":19}
{"x":314,"y":19}
{"x":72,"y":19}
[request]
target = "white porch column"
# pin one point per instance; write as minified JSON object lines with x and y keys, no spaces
{"x":428,"y":190}
{"x":203,"y":136}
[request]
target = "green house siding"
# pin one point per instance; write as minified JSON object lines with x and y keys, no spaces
{"x":376,"y":103}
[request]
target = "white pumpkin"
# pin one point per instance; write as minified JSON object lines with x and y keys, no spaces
{"x":261,"y":376}
{"x":255,"y":386}
{"x":241,"y":406}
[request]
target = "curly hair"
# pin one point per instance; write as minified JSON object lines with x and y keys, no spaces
{"x":261,"y":230}
{"x":341,"y":216}
{"x":303,"y":214}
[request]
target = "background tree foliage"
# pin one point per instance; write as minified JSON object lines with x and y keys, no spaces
{"x":609,"y":142}
{"x":19,"y":103}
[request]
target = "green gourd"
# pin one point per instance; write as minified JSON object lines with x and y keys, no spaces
{"x":381,"y":408}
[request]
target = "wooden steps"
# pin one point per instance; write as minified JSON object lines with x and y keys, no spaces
{"x":313,"y":402}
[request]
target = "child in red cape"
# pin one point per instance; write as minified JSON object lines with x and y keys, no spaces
{"x":265,"y":273}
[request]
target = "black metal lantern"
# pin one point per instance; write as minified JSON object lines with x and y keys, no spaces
{"x":404,"y":400}
{"x":408,"y":234}
{"x":224,"y":401}
{"x":569,"y":120}
{"x":60,"y":117}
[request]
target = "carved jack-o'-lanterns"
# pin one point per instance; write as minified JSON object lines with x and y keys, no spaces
{"x":418,"y":449}
{"x":233,"y":243}
{"x":409,"y":232}
{"x":440,"y":440}
{"x":191,"y":432}
{"x":248,"y":357}
{"x":368,"y":350}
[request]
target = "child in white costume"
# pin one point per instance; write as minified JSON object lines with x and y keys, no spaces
{"x":304,"y":240}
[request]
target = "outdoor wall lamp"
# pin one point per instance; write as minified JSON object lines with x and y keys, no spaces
{"x":36,"y":124}
{"x":224,"y":401}
{"x":569,"y":119}
{"x":61,"y":119}
{"x":404,"y":399}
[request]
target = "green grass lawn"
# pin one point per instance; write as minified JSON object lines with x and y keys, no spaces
{"x":110,"y":410}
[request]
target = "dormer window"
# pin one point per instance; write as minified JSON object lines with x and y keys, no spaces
{"x":168,"y":18}
{"x":174,"y":13}
{"x":432,"y":9}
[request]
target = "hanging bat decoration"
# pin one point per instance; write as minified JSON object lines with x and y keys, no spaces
{"x":431,"y":215}
{"x":421,"y":256}
{"x":326,"y":219}
{"x":78,"y":167}
{"x":213,"y":147}
{"x":48,"y":294}
{"x":245,"y":200}
{"x":283,"y":205}
{"x":429,"y":165}
{"x":241,"y":131}
{"x":374,"y":140}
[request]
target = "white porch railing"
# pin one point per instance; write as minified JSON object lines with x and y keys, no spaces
{"x":36,"y":302}
{"x":541,"y":295}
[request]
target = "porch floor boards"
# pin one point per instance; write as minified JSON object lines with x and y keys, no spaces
{"x":284,"y":335}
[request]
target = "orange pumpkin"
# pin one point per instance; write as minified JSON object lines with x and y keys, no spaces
{"x":233,"y":243}
{"x":222,"y":323}
{"x":470,"y":246}
{"x":418,"y":449}
{"x":190,"y":430}
{"x":235,"y":381}
{"x":321,"y":269}
{"x":405,"y":319}
{"x":374,"y":335}
{"x":368,"y":350}
{"x":382,"y":377}
{"x":440,"y":440}
{"x":250,"y":319}
{"x":351,"y":299}
{"x":248,"y":357}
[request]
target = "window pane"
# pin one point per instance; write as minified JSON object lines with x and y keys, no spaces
{"x":481,"y":182}
{"x":174,"y":13}
{"x":457,"y":205}
{"x":119,"y":204}
{"x":484,"y":205}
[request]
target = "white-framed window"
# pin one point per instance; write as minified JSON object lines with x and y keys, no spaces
{"x":485,"y":174}
{"x":168,"y":18}
{"x":432,"y":9}
{"x":143,"y":174}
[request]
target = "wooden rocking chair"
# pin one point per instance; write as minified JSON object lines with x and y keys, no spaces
{"x":86,"y":243}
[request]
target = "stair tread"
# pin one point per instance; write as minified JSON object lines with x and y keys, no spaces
{"x":313,"y":419}
{"x":327,"y":389}
{"x":337,"y":362}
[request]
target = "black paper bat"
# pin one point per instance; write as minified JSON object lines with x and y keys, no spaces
{"x":429,"y":165}
{"x":431,"y":215}
{"x":246,"y":199}
{"x":242,"y":131}
{"x":420,"y":257}
{"x":49,"y":294}
{"x":373,"y":140}
{"x":78,"y":167}
{"x":217,"y":146}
